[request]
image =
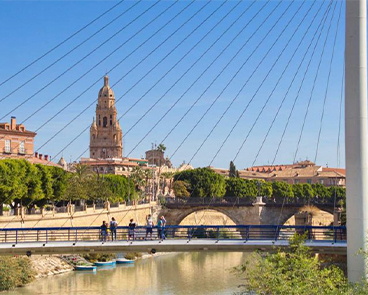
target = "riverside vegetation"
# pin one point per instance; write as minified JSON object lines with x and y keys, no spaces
{"x":295,"y":272}
{"x":15,"y":272}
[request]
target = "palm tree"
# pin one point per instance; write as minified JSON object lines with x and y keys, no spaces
{"x":79,"y":187}
{"x":161,"y":147}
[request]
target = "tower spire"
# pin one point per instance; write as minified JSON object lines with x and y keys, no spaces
{"x":106,"y":80}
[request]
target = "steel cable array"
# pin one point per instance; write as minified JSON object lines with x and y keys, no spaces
{"x":75,"y":64}
{"x":61,"y":43}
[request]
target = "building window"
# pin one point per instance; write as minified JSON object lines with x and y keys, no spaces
{"x":111,"y":122}
{"x":309,"y":181}
{"x":296,"y":181}
{"x":104,"y":122}
{"x":321,"y":181}
{"x":21,"y":147}
{"x":7,"y":146}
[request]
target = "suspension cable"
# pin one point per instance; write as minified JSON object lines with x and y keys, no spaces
{"x":297,"y":96}
{"x":266,"y":102}
{"x":61,"y":43}
{"x":173,"y":85}
{"x":104,"y":59}
{"x":262,"y":60}
{"x":288,"y":90}
{"x":135,"y":84}
{"x":98,"y":80}
{"x":328,"y":83}
{"x":179,"y":79}
{"x":312,"y":91}
{"x":79,"y":61}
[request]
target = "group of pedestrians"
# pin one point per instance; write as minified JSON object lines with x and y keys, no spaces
{"x":106,"y":230}
{"x":110,"y":229}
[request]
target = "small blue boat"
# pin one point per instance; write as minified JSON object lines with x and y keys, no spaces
{"x":107,"y":263}
{"x":124,"y":261}
{"x":85,"y":268}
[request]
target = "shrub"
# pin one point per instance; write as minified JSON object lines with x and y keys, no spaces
{"x":295,"y":272}
{"x":104,"y":257}
{"x":132,"y":255}
{"x":15,"y":272}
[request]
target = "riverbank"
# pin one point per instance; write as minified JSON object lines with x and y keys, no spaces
{"x":45,"y":266}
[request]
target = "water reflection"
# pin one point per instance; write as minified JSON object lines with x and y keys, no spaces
{"x":184,"y":273}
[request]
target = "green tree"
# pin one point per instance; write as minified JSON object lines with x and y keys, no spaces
{"x":241,"y":188}
{"x":232,"y":170}
{"x":79,"y":187}
{"x":282,"y":190}
{"x":121,"y":188}
{"x":295,"y":272}
{"x":204,"y":182}
{"x":321,"y":192}
{"x":303,"y":192}
{"x":59,"y":182}
{"x":181,"y":189}
{"x":266,"y":189}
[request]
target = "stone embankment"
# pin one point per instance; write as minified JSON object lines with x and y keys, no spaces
{"x":49,"y":265}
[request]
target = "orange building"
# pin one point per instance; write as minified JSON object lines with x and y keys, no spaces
{"x":18,"y":143}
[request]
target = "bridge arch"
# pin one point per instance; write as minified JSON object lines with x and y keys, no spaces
{"x":321,"y":215}
{"x":175,"y":217}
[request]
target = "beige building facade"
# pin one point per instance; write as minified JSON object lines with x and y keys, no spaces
{"x":300,"y":172}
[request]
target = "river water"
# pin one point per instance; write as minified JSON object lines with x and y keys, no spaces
{"x":181,"y":273}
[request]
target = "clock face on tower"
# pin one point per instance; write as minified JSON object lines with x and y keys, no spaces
{"x":106,"y":136}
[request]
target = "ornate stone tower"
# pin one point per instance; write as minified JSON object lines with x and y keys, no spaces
{"x":105,"y":133}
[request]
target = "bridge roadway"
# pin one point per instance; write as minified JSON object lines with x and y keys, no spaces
{"x":198,"y":245}
{"x":243,"y":238}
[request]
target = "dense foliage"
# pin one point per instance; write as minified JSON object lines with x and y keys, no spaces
{"x":295,"y":272}
{"x":15,"y":272}
{"x":37,"y":185}
{"x":204,"y":182}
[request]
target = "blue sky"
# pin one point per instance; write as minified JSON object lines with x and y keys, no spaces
{"x":31,"y":28}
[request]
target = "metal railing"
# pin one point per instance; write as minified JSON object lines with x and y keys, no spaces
{"x":221,"y":232}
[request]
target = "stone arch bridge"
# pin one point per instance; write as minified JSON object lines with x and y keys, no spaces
{"x":249,"y":213}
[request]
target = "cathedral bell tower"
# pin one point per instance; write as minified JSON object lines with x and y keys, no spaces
{"x":105,"y":133}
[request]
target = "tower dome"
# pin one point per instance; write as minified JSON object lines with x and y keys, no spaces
{"x":106,"y":91}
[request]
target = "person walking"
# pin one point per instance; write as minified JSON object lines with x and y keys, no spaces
{"x":113,"y":227}
{"x":132,"y":226}
{"x":149,"y":226}
{"x":103,"y":231}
